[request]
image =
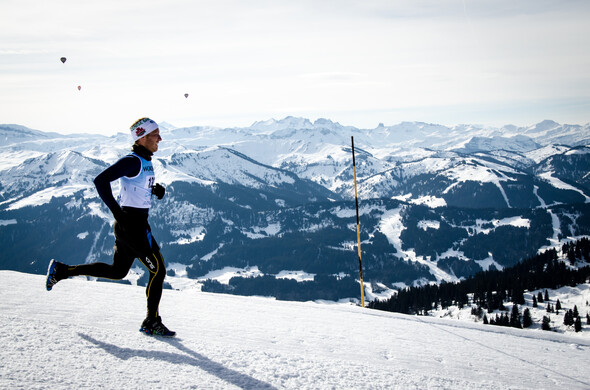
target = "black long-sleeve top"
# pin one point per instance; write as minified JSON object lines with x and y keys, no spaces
{"x":127,"y":166}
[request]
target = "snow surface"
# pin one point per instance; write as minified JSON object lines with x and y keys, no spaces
{"x":557,"y":183}
{"x":84,"y":334}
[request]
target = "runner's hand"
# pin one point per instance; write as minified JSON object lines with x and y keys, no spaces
{"x":158,"y":190}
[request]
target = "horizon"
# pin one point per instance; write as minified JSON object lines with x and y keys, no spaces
{"x":174,"y":126}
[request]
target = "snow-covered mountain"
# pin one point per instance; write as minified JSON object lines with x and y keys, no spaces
{"x":275,"y":200}
{"x":85,"y":335}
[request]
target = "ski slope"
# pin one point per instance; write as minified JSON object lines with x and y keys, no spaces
{"x":84,"y":334}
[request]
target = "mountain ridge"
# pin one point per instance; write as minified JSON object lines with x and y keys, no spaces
{"x":226,"y":187}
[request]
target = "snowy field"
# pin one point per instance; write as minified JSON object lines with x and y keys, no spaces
{"x":85,"y":335}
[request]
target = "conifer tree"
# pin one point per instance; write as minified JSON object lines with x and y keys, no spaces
{"x":546,"y":295}
{"x":575,"y":312}
{"x":518,"y":295}
{"x":540,"y":297}
{"x":535,"y":301}
{"x":578,"y":325}
{"x":485,"y":319}
{"x":546,"y":325}
{"x":568,"y":318}
{"x":527,"y":321}
{"x":515,"y":317}
{"x":505,"y":319}
{"x":557,"y":305}
{"x":587,"y":319}
{"x":571,"y":255}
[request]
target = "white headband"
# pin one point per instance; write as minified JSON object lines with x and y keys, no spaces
{"x":142,"y":127}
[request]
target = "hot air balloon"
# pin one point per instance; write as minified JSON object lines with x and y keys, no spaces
{"x":79,"y":87}
{"x":63,"y":60}
{"x":186,"y":95}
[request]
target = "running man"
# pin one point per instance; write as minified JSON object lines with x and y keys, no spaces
{"x":133,"y":237}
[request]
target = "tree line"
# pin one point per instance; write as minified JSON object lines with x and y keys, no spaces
{"x":489,"y":290}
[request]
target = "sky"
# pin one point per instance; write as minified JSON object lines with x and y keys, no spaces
{"x":359,"y":63}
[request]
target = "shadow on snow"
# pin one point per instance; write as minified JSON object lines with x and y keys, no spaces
{"x":188,"y":357}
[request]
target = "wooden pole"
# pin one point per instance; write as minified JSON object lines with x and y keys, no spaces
{"x":358,"y":226}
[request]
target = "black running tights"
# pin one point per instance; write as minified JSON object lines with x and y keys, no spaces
{"x":123,"y":259}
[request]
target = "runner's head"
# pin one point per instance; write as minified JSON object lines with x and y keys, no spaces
{"x":145,"y":132}
{"x":142,"y":127}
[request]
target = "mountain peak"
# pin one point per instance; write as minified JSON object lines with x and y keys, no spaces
{"x":517,"y":143}
{"x":10,"y":133}
{"x":545,"y":125}
{"x":324,"y":122}
{"x":289,"y":122}
{"x":166,"y":126}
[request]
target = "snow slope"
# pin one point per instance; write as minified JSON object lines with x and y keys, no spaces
{"x":85,"y":335}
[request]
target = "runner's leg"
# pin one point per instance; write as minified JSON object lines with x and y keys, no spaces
{"x":157,"y":269}
{"x":122,"y":262}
